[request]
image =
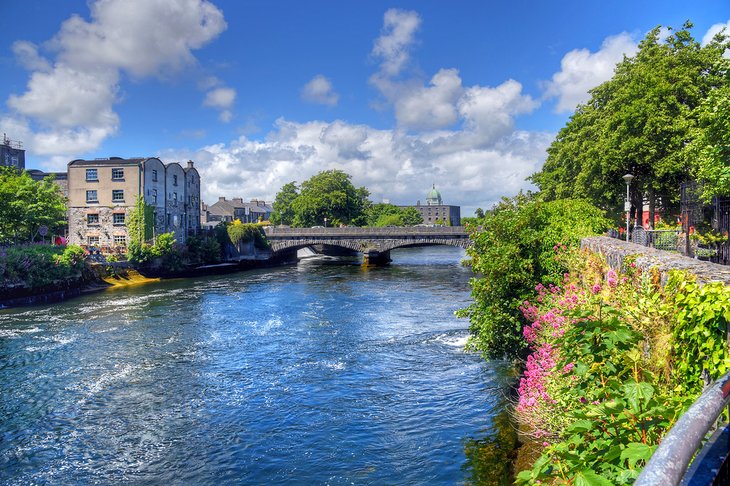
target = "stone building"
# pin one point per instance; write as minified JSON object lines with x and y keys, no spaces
{"x":436,"y":210}
{"x":228,"y":210}
{"x":11,"y":153}
{"x":102,"y":193}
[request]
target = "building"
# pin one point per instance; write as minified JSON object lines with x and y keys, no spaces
{"x":229,"y":210}
{"x":11,"y":153}
{"x":102,"y":193}
{"x":435,"y":210}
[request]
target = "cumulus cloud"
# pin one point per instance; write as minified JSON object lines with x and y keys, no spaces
{"x":582,"y":70}
{"x":319,"y":90}
{"x":713,"y":31}
{"x":433,"y":106}
{"x":68,"y":104}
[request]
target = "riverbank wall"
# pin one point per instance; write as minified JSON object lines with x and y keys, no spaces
{"x":659,"y":262}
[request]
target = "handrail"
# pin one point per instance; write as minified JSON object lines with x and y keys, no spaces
{"x":669,"y":462}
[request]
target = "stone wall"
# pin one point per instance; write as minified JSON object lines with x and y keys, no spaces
{"x":615,"y":251}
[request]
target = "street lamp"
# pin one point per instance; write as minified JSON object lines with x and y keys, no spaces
{"x":325,"y":222}
{"x":627,"y":204}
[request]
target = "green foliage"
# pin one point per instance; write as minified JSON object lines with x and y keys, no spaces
{"x":26,"y":205}
{"x":245,"y":232}
{"x":202,"y":250}
{"x":283,"y":211}
{"x":39,"y":265}
{"x":699,"y":332}
{"x":140,"y":223}
{"x":512,"y":253}
{"x":639,"y":122}
{"x":710,"y":149}
{"x":329,"y":194}
{"x":383,"y":214}
{"x":389,"y":220}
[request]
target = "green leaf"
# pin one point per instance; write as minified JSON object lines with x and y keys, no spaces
{"x":580,"y":426}
{"x":586,"y":477}
{"x":638,"y":394}
{"x":637,"y":451}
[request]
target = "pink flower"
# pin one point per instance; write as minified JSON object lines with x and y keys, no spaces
{"x":596,"y":288}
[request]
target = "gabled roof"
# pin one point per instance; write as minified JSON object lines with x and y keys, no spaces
{"x":111,"y":161}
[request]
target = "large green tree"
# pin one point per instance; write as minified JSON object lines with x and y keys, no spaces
{"x":283,"y":211}
{"x":711,"y":148}
{"x":384,"y":214}
{"x":638,"y":122}
{"x":331,"y":195}
{"x":26,"y":205}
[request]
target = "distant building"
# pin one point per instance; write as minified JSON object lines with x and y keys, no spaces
{"x":60,"y":178}
{"x":103,"y":192}
{"x":435,"y":210}
{"x":229,"y":210}
{"x":11,"y":153}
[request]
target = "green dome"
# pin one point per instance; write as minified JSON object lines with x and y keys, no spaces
{"x":433,"y":197}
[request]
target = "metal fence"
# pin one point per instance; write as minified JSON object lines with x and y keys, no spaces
{"x":668,"y":464}
{"x":667,"y":240}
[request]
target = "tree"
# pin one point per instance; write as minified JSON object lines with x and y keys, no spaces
{"x":26,"y":205}
{"x":711,"y":147}
{"x":377,"y":215}
{"x":331,"y":195}
{"x":283,"y":211}
{"x":638,"y":122}
{"x":411,"y":216}
{"x":389,"y":220}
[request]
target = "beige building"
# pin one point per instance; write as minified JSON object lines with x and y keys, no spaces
{"x":103,"y":192}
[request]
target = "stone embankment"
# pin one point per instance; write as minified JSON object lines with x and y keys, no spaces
{"x":649,"y":259}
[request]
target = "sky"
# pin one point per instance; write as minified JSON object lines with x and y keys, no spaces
{"x":401,"y":95}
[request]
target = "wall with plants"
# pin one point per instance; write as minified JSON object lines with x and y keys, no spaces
{"x":615,"y":358}
{"x":34,"y":266}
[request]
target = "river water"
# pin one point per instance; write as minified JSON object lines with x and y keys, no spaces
{"x":320,"y":373}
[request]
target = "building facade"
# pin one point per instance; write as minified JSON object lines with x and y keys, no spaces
{"x":435,"y":211}
{"x":103,"y":192}
{"x":229,"y":210}
{"x":11,"y":153}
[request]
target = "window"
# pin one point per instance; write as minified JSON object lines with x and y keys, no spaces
{"x":117,"y":174}
{"x":91,"y":196}
{"x":118,"y":195}
{"x":120,"y":240}
{"x":174,"y":180}
{"x":92,"y":175}
{"x":93,"y":240}
{"x":154,"y":196}
{"x":174,"y":197}
{"x":154,"y":175}
{"x":118,"y":218}
{"x":92,"y":219}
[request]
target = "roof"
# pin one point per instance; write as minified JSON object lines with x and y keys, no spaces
{"x":111,"y":161}
{"x":433,"y":193}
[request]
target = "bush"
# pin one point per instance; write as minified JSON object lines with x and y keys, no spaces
{"x":512,"y":252}
{"x":39,"y":265}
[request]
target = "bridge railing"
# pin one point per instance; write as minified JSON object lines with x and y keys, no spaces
{"x":668,"y":464}
{"x":381,"y":232}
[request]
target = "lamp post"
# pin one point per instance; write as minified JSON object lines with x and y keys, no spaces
{"x":627,"y":204}
{"x":325,"y":222}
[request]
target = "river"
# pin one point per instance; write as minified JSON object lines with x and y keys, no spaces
{"x":320,"y":373}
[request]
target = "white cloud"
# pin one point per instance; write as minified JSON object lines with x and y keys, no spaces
{"x":396,"y":38}
{"x":319,"y":90}
{"x":27,"y":54}
{"x":69,"y":102}
{"x":430,"y":107}
{"x":392,"y":164}
{"x":582,"y":70}
{"x":221,"y":98}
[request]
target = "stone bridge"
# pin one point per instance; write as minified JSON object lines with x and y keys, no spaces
{"x":374,"y":243}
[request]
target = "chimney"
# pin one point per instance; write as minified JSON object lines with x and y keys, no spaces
{"x":222,"y":199}
{"x":190,"y":164}
{"x":238,"y":200}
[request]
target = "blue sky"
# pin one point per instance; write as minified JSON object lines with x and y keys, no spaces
{"x":401,"y":95}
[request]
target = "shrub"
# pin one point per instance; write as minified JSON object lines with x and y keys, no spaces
{"x":512,"y":252}
{"x":39,"y":265}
